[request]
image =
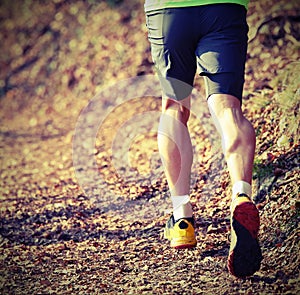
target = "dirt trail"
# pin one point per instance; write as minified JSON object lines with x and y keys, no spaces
{"x":83,"y":195}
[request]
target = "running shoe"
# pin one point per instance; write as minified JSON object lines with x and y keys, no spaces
{"x":180,"y":233}
{"x":245,"y":254}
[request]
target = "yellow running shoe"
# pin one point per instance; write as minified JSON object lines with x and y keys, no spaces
{"x":181,"y":233}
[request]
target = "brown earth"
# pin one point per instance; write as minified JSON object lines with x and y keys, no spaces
{"x":83,"y":196}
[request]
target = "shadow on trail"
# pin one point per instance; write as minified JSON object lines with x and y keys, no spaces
{"x":217,"y":252}
{"x":76,"y":223}
{"x":69,"y":223}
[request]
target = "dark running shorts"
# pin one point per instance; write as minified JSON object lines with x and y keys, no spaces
{"x":214,"y":37}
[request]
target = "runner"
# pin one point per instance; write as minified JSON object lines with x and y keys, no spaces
{"x":213,"y":35}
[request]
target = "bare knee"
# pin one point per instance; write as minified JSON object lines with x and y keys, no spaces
{"x":179,"y":110}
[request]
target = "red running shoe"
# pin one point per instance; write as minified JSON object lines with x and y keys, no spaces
{"x":245,"y":254}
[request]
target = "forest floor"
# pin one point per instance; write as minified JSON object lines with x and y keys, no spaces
{"x":83,"y":198}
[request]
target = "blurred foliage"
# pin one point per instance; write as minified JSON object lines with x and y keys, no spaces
{"x":114,"y":2}
{"x":288,"y":100}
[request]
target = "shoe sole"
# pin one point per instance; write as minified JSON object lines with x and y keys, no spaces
{"x":180,"y":243}
{"x":245,"y":258}
{"x":183,"y":244}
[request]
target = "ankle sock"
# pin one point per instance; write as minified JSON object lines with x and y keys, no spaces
{"x":182,"y":207}
{"x":241,"y":187}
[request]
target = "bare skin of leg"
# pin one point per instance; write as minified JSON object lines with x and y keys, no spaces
{"x":237,"y":134}
{"x":175,"y":146}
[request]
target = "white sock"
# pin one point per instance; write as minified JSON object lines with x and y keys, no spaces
{"x":241,"y":187}
{"x":182,"y":207}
